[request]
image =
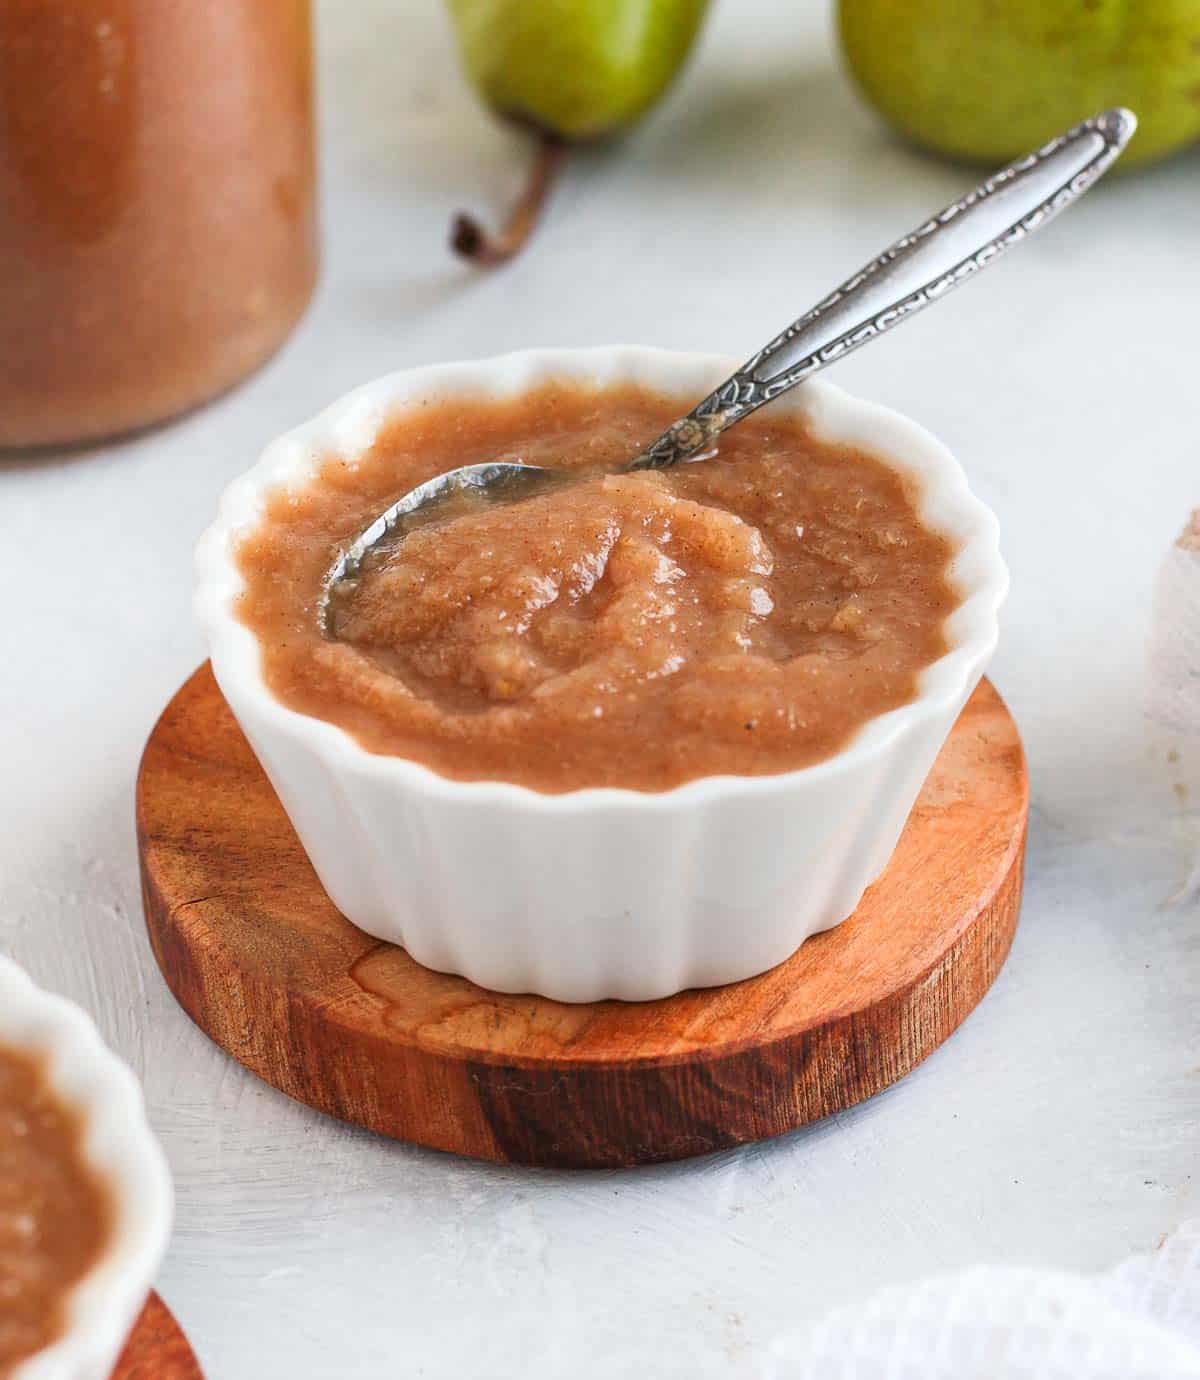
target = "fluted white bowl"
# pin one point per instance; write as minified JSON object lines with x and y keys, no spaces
{"x":120,"y":1148}
{"x":599,"y":893}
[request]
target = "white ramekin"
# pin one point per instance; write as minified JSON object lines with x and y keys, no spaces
{"x":121,"y":1149}
{"x":599,"y":892}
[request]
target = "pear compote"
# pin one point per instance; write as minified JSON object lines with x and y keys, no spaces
{"x":741,"y":615}
{"x":54,"y":1212}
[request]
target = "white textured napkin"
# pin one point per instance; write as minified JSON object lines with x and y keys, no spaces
{"x":1173,"y":688}
{"x":1140,"y":1321}
{"x":1173,"y":695}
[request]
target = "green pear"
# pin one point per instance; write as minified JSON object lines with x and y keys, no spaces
{"x":573,"y":71}
{"x":986,"y":80}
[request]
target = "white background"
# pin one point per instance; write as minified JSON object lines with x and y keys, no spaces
{"x":1058,"y":1127}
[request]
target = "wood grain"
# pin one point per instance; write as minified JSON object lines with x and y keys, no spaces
{"x":157,"y":1348}
{"x":260,"y":959}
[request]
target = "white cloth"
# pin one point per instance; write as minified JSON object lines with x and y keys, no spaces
{"x":1140,"y":1321}
{"x":1173,"y":690}
{"x":1173,"y":685}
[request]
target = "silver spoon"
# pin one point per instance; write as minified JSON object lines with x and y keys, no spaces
{"x":916,"y":270}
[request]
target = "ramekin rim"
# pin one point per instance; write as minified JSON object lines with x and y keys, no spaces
{"x":103,"y":1304}
{"x":236,"y":652}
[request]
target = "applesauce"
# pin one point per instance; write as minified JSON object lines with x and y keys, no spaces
{"x":54,"y":1214}
{"x":742,"y":615}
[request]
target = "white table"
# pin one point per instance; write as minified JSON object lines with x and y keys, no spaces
{"x":1059,"y":1126}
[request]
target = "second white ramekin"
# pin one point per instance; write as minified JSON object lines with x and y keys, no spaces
{"x":125,"y":1156}
{"x":600,"y":893}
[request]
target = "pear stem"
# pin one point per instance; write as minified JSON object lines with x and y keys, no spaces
{"x":470,"y":240}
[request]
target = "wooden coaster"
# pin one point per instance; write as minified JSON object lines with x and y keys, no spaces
{"x":157,"y":1348}
{"x":260,"y":959}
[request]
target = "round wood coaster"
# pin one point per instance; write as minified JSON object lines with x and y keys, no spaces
{"x":157,"y":1348}
{"x":260,"y":959}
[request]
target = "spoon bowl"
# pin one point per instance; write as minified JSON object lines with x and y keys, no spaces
{"x":445,"y":496}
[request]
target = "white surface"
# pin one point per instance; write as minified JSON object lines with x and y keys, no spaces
{"x":1058,"y":1127}
{"x":121,"y":1149}
{"x":649,"y":894}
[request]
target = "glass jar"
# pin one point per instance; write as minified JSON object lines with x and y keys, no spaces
{"x":157,"y":224}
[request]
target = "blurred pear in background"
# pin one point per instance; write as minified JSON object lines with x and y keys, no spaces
{"x":571,"y":70}
{"x":987,"y":80}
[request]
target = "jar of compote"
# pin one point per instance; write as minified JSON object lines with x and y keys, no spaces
{"x":157,"y":222}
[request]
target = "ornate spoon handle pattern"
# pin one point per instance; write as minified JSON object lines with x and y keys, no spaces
{"x":918,"y":269}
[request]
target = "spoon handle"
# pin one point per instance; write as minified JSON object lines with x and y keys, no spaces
{"x":918,"y":269}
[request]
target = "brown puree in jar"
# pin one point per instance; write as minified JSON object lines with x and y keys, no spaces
{"x":157,"y":227}
{"x":742,"y":615}
{"x":54,"y":1214}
